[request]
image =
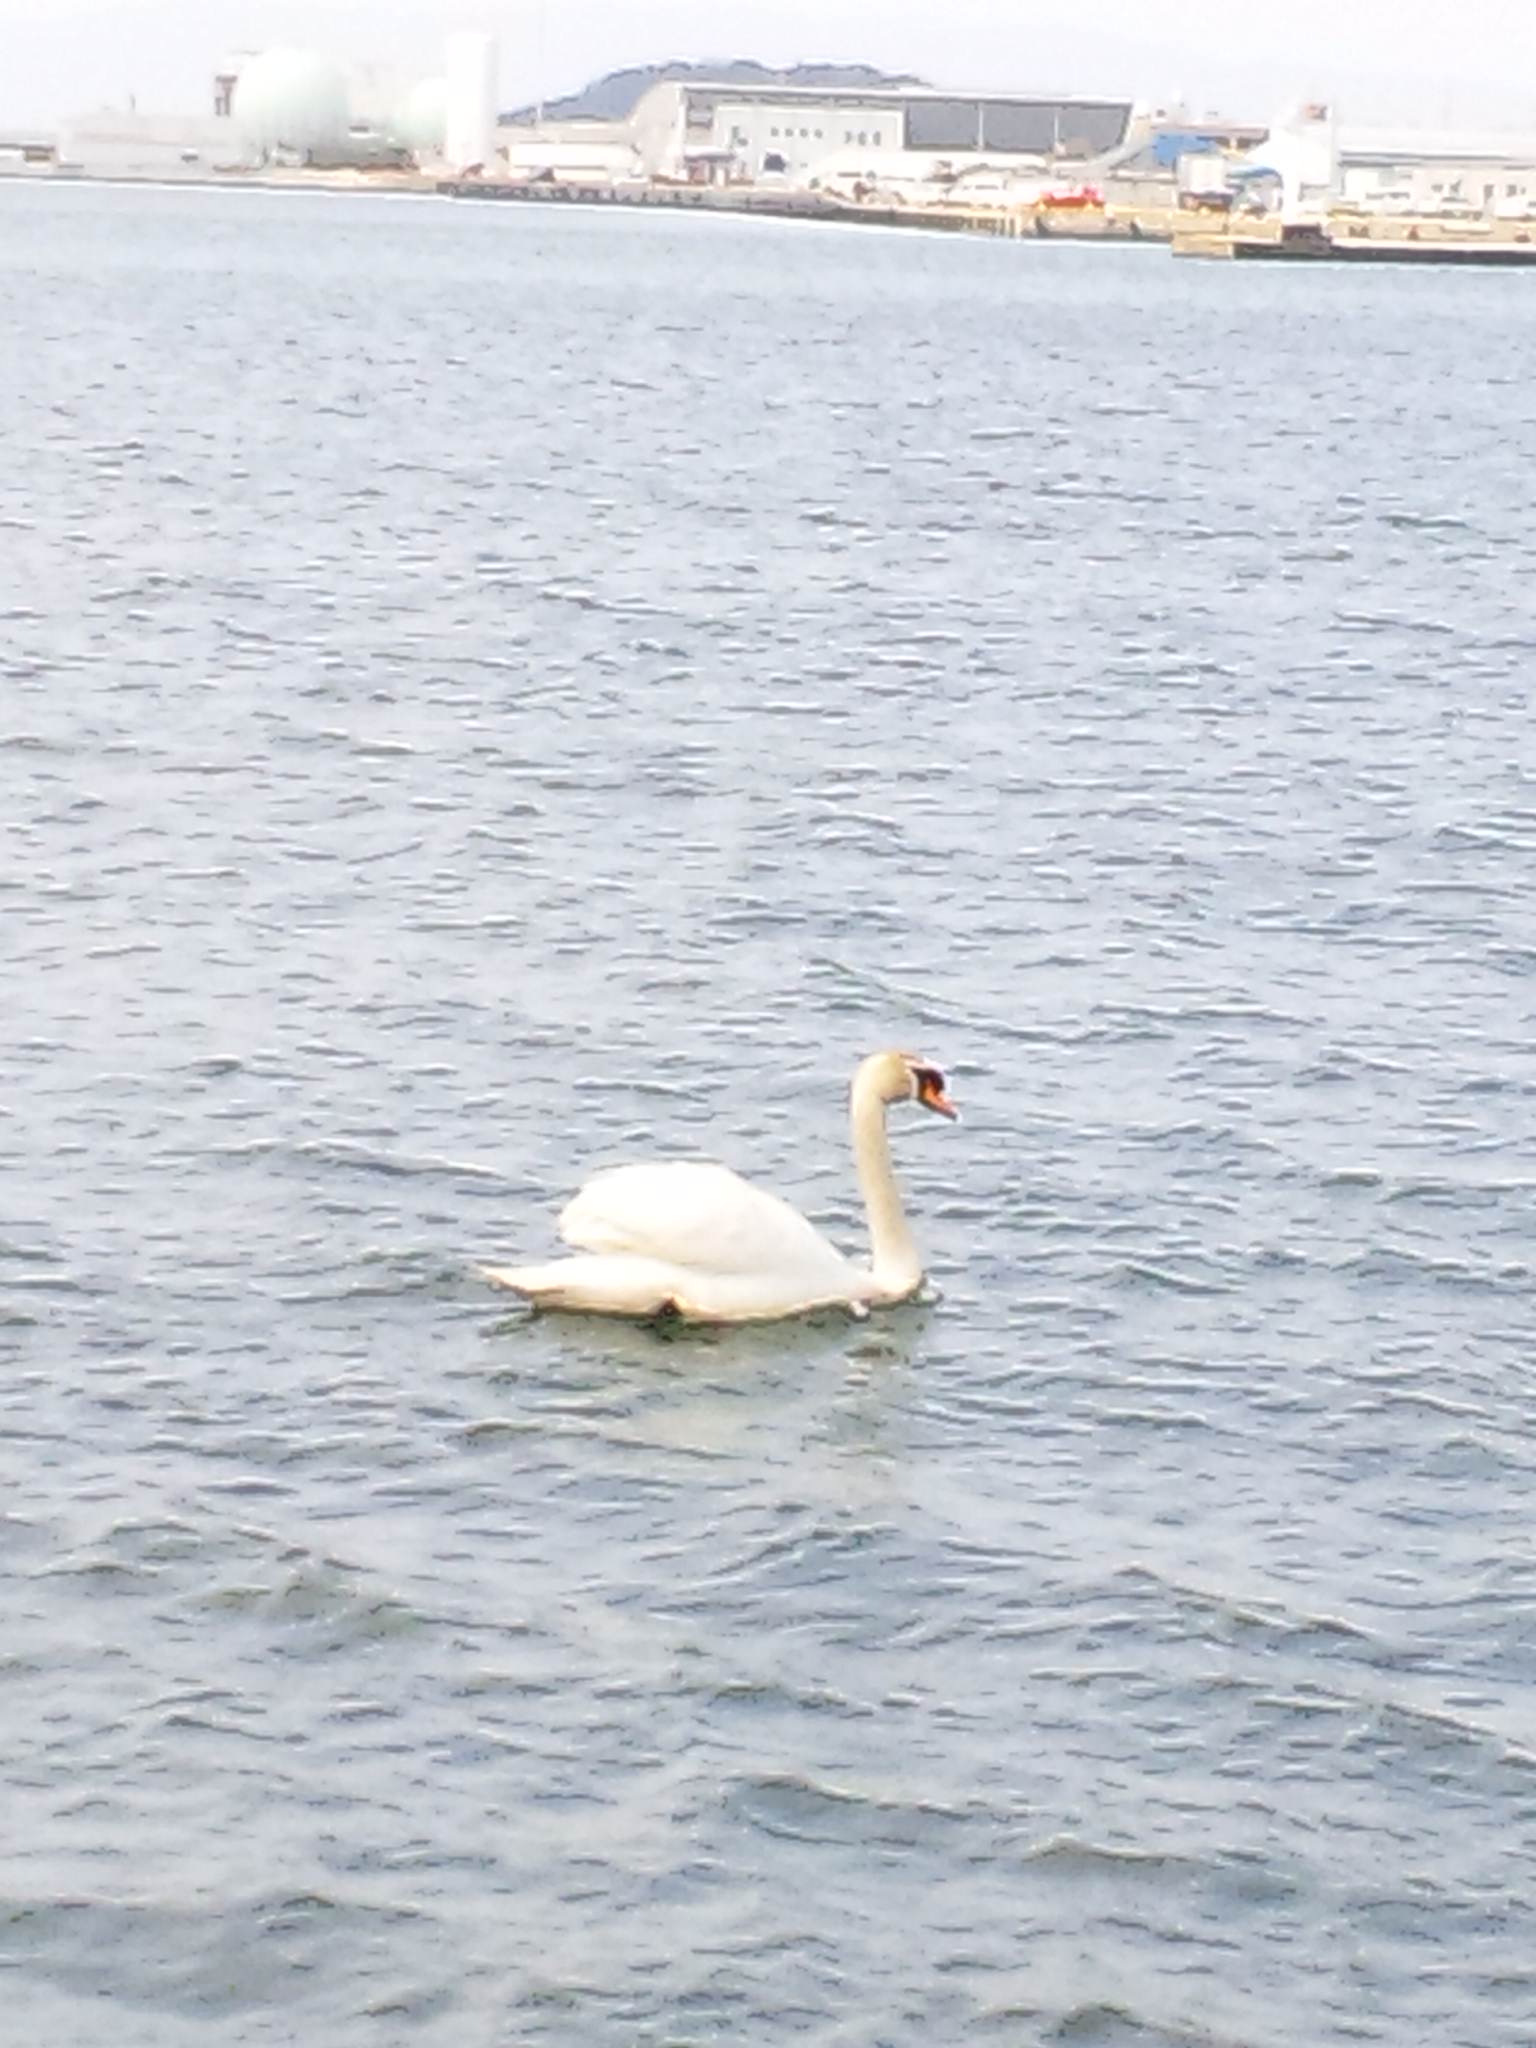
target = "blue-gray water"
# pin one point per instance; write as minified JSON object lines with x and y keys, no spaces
{"x":488,"y":693}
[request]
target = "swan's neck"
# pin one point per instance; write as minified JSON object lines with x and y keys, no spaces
{"x":898,"y":1271}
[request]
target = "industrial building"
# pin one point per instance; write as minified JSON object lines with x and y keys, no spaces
{"x":1390,"y":171}
{"x":1310,"y":165}
{"x":804,"y":135}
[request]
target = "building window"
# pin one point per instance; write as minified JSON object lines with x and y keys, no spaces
{"x":848,"y":135}
{"x":1511,"y":191}
{"x":818,"y":135}
{"x":863,"y":139}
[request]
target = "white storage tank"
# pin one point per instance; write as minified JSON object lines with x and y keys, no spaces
{"x":420,"y":122}
{"x":472,"y":66}
{"x":291,"y":100}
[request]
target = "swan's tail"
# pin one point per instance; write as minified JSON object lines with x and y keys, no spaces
{"x":596,"y":1285}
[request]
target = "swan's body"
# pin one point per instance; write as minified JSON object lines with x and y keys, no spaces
{"x":699,"y":1242}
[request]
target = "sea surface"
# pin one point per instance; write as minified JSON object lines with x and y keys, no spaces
{"x":489,"y":692}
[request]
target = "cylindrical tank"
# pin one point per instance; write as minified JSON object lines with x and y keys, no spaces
{"x":291,"y":99}
{"x":472,"y":65}
{"x":420,"y":122}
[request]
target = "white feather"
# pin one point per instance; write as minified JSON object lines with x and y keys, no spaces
{"x":700,"y":1217}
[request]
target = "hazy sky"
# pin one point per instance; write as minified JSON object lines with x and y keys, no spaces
{"x":1436,"y":61}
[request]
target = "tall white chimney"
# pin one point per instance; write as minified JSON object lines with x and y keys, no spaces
{"x":473,"y":65}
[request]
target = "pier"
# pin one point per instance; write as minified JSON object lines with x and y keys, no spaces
{"x":1041,"y":222}
{"x":1343,"y":237}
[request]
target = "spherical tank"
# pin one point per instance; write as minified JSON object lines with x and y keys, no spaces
{"x":291,"y":99}
{"x":421,"y":119}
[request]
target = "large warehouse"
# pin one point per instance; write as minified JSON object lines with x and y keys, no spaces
{"x":688,"y":129}
{"x":1431,"y":172}
{"x":1318,"y":163}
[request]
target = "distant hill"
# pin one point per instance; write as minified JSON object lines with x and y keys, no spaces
{"x":615,"y":97}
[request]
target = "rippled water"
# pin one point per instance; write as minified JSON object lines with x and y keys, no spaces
{"x":487,"y":694}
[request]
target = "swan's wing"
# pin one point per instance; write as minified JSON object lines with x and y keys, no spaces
{"x":704,"y":1218}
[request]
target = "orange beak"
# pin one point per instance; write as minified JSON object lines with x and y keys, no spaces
{"x":936,"y":1100}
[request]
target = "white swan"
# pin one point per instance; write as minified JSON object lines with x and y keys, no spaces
{"x":699,"y":1242}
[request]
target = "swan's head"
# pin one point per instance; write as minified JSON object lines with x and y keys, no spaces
{"x":903,"y":1077}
